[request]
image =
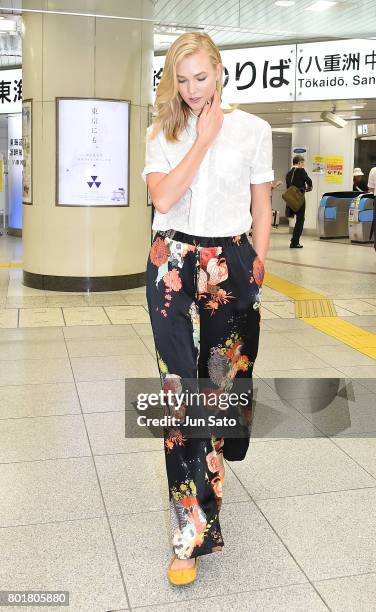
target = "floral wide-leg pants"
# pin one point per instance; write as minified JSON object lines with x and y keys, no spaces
{"x":204,"y":304}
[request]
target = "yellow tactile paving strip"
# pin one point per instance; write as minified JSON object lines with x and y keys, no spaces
{"x":315,"y":308}
{"x":356,"y":337}
{"x":10,"y":264}
{"x":310,"y":303}
{"x":291,"y":290}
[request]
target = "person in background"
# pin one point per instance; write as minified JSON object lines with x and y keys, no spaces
{"x":359,"y":182}
{"x":372,"y":180}
{"x":298,"y":176}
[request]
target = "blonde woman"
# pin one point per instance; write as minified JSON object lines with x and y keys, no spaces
{"x":204,"y":168}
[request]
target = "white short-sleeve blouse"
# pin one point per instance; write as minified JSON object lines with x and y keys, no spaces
{"x":217,"y":203}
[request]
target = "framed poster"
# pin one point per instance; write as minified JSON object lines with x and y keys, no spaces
{"x":27,"y":146}
{"x":150,"y":121}
{"x":92,"y":152}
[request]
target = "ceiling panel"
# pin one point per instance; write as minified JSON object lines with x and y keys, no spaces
{"x":245,"y":22}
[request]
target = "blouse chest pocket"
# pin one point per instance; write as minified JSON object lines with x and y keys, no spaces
{"x":229,"y":161}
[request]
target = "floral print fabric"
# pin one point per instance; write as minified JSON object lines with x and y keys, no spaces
{"x":204,"y":298}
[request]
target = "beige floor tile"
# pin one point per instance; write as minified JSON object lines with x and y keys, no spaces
{"x":127,"y":314}
{"x":102,"y":396}
{"x":105,"y":299}
{"x":66,"y":300}
{"x":261,"y":560}
{"x":311,"y":337}
{"x":16,"y":289}
{"x":350,"y":593}
{"x":77,"y":556}
{"x":8,"y":318}
{"x":41,"y":491}
{"x":329,"y":534}
{"x":294,"y":598}
{"x":362,"y":448}
{"x":107,"y":435}
{"x":343,"y":312}
{"x":41,"y":317}
{"x":285,"y":309}
{"x":143,"y":329}
{"x":95,"y":347}
{"x":286,"y":325}
{"x":33,"y":334}
{"x":270,"y":295}
{"x":298,"y":467}
{"x":299,"y":358}
{"x":38,"y":400}
{"x":91,"y":315}
{"x":149,"y":343}
{"x":99,"y":331}
{"x":114,"y":367}
{"x":304,"y":373}
{"x":52,"y":437}
{"x":26,"y":301}
{"x":338,"y":356}
{"x":266,"y":313}
{"x":32,"y":349}
{"x":359,"y":307}
{"x":135,"y":299}
{"x":271,"y":339}
{"x":33,"y":371}
{"x":359,"y":371}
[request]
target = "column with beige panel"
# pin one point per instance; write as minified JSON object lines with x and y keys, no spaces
{"x":85,"y":248}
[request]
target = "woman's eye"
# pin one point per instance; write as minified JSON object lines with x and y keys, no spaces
{"x":204,"y":79}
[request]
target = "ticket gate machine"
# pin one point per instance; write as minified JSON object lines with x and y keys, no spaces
{"x":333,"y":214}
{"x":361,"y":217}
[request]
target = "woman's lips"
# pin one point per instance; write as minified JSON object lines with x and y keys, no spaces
{"x":194,"y":100}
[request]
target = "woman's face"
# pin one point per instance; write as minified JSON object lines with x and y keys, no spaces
{"x":197,"y":79}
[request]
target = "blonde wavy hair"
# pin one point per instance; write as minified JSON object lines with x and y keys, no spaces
{"x":170,"y":112}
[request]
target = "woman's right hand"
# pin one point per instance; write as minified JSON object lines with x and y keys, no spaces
{"x":210,"y":121}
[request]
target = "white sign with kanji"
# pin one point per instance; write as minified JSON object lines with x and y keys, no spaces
{"x":10,"y":91}
{"x":263,"y":74}
{"x":340,"y":69}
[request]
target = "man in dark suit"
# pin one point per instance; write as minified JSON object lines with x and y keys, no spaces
{"x":298,"y":176}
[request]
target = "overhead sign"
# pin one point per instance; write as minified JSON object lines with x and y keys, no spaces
{"x":265,"y":74}
{"x":340,"y":69}
{"x":10,"y":91}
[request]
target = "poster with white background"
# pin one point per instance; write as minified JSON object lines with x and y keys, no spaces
{"x":93,"y":152}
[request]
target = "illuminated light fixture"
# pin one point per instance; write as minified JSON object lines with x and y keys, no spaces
{"x":8,"y":25}
{"x":355,"y":117}
{"x":284,"y":2}
{"x":358,"y":106}
{"x":306,"y":120}
{"x":333,"y":119}
{"x":321,"y":5}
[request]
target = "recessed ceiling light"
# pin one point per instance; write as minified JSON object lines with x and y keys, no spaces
{"x":355,"y":117}
{"x":358,"y":106}
{"x":321,"y":5}
{"x":284,"y":2}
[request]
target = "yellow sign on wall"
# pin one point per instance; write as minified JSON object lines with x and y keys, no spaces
{"x":334,"y":169}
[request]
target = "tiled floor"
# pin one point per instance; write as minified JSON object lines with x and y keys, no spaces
{"x":83,"y":509}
